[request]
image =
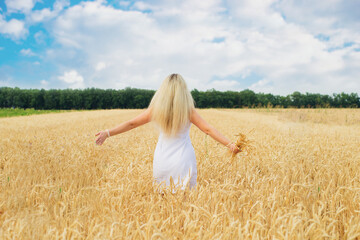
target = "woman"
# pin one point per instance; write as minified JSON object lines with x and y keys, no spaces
{"x":172,"y":109}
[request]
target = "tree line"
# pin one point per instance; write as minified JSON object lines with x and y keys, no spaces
{"x":129,"y":98}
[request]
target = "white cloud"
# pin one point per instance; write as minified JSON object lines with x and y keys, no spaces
{"x":44,"y":83}
{"x":40,"y":37}
{"x":5,"y":78}
{"x":124,"y":3}
{"x":47,"y":14}
{"x":138,"y":45}
{"x":100,"y":66}
{"x":203,"y":39}
{"x":143,"y":6}
{"x":73,"y":79}
{"x":17,"y":29}
{"x":27,"y":52}
{"x":263,"y":85}
{"x":20,"y":5}
{"x":13,"y":28}
{"x":223,"y":85}
{"x":60,"y":5}
{"x":41,"y":15}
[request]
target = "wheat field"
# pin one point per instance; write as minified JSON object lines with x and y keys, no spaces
{"x":300,"y":181}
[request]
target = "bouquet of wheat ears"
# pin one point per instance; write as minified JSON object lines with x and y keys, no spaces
{"x":244,"y":144}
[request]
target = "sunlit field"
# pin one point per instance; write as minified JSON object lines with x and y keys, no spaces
{"x":300,"y":181}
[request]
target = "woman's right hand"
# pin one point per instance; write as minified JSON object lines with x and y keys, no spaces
{"x":102,"y":137}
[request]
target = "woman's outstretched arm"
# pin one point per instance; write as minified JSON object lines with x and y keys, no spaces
{"x":198,"y":121}
{"x":139,"y":120}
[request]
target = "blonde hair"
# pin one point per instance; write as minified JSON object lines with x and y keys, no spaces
{"x":172,"y":105}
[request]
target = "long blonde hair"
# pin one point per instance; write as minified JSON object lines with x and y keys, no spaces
{"x":172,"y":105}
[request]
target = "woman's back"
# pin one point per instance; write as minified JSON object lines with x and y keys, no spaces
{"x":175,"y":157}
{"x":172,"y":109}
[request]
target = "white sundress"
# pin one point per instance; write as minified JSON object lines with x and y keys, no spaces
{"x":175,"y":157}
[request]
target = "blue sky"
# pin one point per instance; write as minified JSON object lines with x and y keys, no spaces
{"x":272,"y":46}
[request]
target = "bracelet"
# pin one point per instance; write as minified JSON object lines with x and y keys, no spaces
{"x":107,"y":130}
{"x":229,"y":144}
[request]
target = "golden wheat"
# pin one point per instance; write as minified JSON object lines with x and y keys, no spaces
{"x":301,"y":180}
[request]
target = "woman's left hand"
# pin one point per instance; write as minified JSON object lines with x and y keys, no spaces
{"x":233,"y":148}
{"x":102,"y":137}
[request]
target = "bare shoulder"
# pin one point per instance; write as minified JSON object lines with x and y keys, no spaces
{"x":147,"y":113}
{"x":194,"y":116}
{"x":198,"y":121}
